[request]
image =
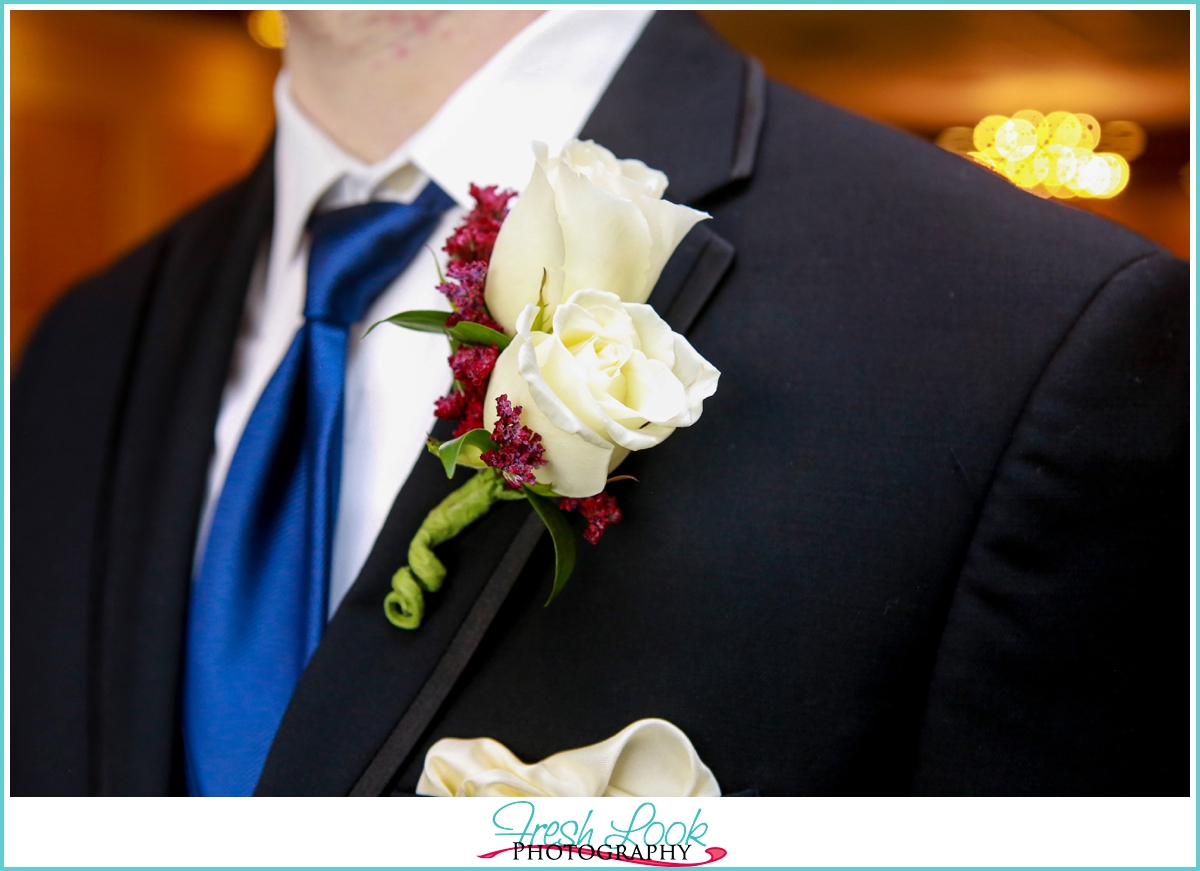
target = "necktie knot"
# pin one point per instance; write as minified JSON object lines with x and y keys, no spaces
{"x":356,"y":252}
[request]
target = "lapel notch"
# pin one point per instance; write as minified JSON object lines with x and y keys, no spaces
{"x":753,"y":112}
{"x":684,"y":102}
{"x":690,"y":277}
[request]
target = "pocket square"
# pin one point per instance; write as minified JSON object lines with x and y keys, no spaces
{"x":651,"y":758}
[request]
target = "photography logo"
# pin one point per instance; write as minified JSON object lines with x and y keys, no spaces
{"x":644,"y":840}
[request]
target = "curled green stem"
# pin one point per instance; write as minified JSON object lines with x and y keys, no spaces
{"x":405,"y":605}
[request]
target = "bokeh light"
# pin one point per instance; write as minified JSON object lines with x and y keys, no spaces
{"x":1052,"y":155}
{"x":268,"y":27}
{"x":1126,"y":138}
{"x":1016,"y":139}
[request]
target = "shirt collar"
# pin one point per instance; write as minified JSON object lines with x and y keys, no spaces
{"x":542,"y":85}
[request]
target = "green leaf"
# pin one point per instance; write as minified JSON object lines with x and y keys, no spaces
{"x":543,"y":490}
{"x":436,"y":265}
{"x":478,"y":334}
{"x":423,"y":320}
{"x":541,"y":303}
{"x":449,"y":451}
{"x":564,"y":539}
{"x":435,"y":322}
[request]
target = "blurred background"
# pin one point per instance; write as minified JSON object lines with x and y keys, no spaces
{"x":121,"y":120}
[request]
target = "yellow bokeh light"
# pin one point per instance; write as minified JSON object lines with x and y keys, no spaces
{"x":985,"y":135}
{"x":1094,"y":177}
{"x":1033,"y":116}
{"x":1059,"y":128}
{"x":1062,"y":165}
{"x":982,"y":159}
{"x":1016,"y":139}
{"x":1085,"y":174}
{"x":1120,"y":173}
{"x":1027,"y":173}
{"x":1126,"y":138}
{"x":1089,"y":131}
{"x":268,"y":27}
{"x":960,"y":140}
{"x":1051,"y":155}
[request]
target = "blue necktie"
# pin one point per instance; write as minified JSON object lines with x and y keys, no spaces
{"x":258,"y":604}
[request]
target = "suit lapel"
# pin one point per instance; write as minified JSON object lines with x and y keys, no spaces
{"x":686,"y":284}
{"x":366,"y":672}
{"x":690,"y":277}
{"x":686,"y":103}
{"x":158,"y":470}
{"x":679,"y":102}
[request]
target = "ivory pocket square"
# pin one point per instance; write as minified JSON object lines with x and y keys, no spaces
{"x":651,"y":758}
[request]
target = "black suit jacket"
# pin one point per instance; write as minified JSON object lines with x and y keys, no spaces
{"x":931,"y":534}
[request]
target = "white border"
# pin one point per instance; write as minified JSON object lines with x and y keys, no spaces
{"x":847,"y":832}
{"x":765,"y":832}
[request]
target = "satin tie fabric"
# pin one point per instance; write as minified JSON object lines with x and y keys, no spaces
{"x":258,"y":604}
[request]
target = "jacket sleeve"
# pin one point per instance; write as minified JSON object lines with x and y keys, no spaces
{"x":1063,"y":668}
{"x":65,"y":407}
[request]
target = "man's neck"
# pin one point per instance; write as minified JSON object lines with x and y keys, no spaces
{"x":371,"y":79}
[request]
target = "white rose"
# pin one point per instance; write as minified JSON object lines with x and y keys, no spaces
{"x":611,"y":378}
{"x":586,"y":220}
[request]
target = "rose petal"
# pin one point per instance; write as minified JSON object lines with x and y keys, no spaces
{"x":530,"y":243}
{"x":559,"y":386}
{"x":626,"y":178}
{"x":649,"y":182}
{"x":589,"y":313}
{"x":629,"y":430}
{"x":652,"y":390}
{"x":574,"y":466}
{"x":655,"y":335}
{"x":606,"y":239}
{"x":699,"y":380}
{"x":668,"y":224}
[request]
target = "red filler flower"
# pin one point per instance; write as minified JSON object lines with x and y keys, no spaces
{"x":600,"y":512}
{"x":470,"y":248}
{"x":474,"y":238}
{"x":465,"y":292}
{"x":520,"y":451}
{"x":472,"y":366}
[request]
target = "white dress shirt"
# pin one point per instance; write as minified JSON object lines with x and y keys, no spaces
{"x":542,"y":86}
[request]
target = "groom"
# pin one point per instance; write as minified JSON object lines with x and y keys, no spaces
{"x":931,"y":535}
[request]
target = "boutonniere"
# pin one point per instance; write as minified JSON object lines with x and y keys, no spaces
{"x":560,"y":367}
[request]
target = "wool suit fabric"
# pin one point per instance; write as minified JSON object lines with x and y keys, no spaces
{"x":930,"y":536}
